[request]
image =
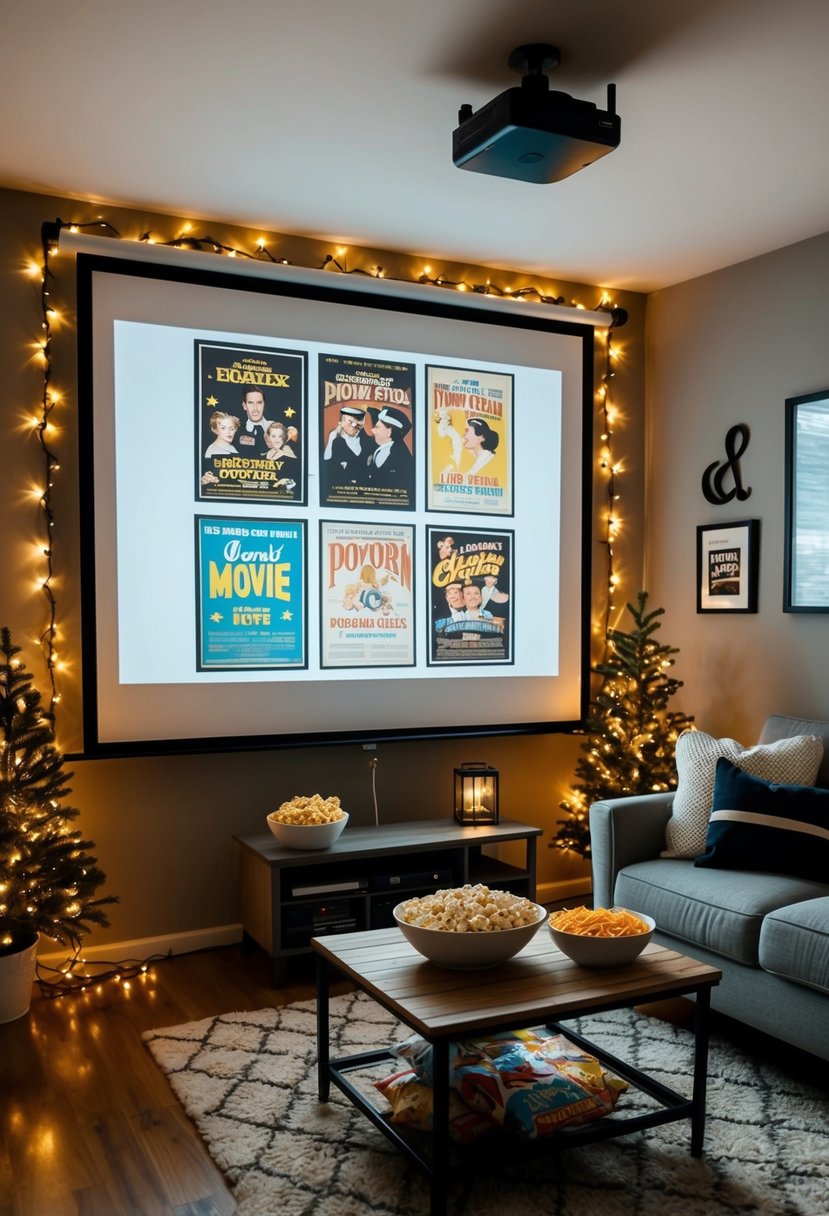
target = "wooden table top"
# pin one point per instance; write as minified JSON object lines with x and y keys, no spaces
{"x":539,"y":985}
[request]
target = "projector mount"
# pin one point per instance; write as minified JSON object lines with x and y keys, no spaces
{"x":534,"y":59}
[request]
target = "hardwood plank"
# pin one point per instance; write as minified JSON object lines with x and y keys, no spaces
{"x":88,"y":1123}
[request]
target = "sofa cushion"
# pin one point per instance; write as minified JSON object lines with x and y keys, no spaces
{"x":756,"y":825}
{"x":781,"y":726}
{"x":722,"y":910}
{"x":794,"y":943}
{"x":794,"y":760}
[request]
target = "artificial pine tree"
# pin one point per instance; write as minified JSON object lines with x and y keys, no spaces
{"x":632,"y":735}
{"x":47,"y":880}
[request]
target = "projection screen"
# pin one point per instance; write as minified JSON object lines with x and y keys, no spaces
{"x":319,"y":508}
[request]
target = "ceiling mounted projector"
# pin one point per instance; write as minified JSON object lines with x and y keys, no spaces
{"x":533,"y":133}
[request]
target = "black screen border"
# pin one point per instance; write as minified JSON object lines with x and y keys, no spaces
{"x":89,"y":264}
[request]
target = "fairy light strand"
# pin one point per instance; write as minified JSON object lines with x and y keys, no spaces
{"x":611,"y":527}
{"x":78,"y":974}
{"x":205,"y":242}
{"x":48,"y":402}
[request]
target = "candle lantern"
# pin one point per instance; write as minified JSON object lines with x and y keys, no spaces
{"x":476,"y":794}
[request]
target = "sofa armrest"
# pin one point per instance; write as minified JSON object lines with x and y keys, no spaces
{"x":622,"y":831}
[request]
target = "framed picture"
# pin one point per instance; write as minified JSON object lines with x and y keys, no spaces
{"x":727,"y":557}
{"x":806,"y":582}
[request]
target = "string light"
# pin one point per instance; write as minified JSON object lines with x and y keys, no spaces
{"x":609,"y":465}
{"x":46,"y":430}
{"x":78,"y":974}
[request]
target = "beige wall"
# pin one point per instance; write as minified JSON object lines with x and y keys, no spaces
{"x":163,"y":827}
{"x":724,"y":349}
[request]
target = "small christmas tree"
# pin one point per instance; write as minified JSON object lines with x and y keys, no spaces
{"x":47,"y":880}
{"x":632,"y":735}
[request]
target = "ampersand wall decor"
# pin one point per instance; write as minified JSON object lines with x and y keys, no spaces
{"x":713,"y":479}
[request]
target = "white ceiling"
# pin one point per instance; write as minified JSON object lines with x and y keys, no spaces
{"x":333,"y":119}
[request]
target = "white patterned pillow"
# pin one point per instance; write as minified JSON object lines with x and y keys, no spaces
{"x":793,"y":761}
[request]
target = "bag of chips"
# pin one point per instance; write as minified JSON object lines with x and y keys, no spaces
{"x":528,"y":1082}
{"x":410,"y":1100}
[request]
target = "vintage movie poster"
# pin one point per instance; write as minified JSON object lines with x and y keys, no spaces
{"x":367,"y":602}
{"x":367,"y":437}
{"x":470,"y":595}
{"x":251,"y":587}
{"x":469,"y":440}
{"x":251,"y":410}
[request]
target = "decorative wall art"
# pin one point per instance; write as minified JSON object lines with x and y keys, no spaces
{"x":727,"y":564}
{"x":806,"y":582}
{"x":722,"y":479}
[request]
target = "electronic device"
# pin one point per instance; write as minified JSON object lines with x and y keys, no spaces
{"x":533,"y":133}
{"x":410,"y":878}
{"x":304,"y":921}
{"x":334,"y":887}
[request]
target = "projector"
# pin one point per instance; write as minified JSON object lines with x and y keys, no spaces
{"x":533,"y":133}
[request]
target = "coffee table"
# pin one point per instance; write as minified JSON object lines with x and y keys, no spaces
{"x":540,"y":986}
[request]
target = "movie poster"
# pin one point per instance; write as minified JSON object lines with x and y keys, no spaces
{"x":250,"y":423}
{"x":470,"y":441}
{"x":470,"y":600}
{"x":251,"y":594}
{"x":367,"y":440}
{"x":367,"y":604}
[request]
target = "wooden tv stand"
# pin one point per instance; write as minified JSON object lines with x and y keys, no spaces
{"x":287,"y":897}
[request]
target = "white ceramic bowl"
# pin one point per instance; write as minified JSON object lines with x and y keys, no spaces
{"x":469,"y":951}
{"x":603,"y":951}
{"x":306,"y":835}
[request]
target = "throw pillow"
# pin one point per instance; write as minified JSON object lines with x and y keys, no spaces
{"x":758,"y":825}
{"x":795,"y":760}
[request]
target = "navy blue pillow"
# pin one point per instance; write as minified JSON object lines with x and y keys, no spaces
{"x":755,"y":825}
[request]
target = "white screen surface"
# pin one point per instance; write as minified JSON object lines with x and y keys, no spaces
{"x":144,"y":641}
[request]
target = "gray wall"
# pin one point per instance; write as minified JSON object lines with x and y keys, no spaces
{"x":726,"y":348}
{"x":163,"y":827}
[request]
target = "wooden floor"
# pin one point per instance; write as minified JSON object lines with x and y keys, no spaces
{"x":88,"y":1123}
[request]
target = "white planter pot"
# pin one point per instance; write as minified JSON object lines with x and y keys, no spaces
{"x":17,"y":974}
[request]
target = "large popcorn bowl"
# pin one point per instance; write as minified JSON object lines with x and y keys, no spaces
{"x":306,"y":835}
{"x":469,"y":949}
{"x":308,"y":822}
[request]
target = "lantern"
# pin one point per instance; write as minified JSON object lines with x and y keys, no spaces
{"x":476,"y":794}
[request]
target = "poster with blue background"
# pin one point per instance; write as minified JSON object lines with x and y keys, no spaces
{"x":252,"y":606}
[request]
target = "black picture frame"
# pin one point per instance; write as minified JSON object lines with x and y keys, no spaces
{"x":727,"y":566}
{"x":806,"y":556}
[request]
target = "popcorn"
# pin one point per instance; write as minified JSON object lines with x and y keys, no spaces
{"x":306,"y":811}
{"x":469,"y":909}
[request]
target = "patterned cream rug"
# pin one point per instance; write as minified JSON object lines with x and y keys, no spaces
{"x":248,"y":1082}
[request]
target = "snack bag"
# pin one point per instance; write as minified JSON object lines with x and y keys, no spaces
{"x":530,"y":1082}
{"x":410,"y":1100}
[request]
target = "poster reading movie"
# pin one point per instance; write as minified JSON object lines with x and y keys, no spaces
{"x":470,"y":440}
{"x":250,"y":423}
{"x":366,"y":433}
{"x":470,"y":596}
{"x":251,"y":594}
{"x":367,"y":605}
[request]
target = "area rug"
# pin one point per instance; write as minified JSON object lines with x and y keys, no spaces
{"x":248,"y":1082}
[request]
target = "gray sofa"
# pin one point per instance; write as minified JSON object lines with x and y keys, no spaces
{"x":768,"y":933}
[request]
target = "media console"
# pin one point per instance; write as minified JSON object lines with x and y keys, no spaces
{"x":287,"y":897}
